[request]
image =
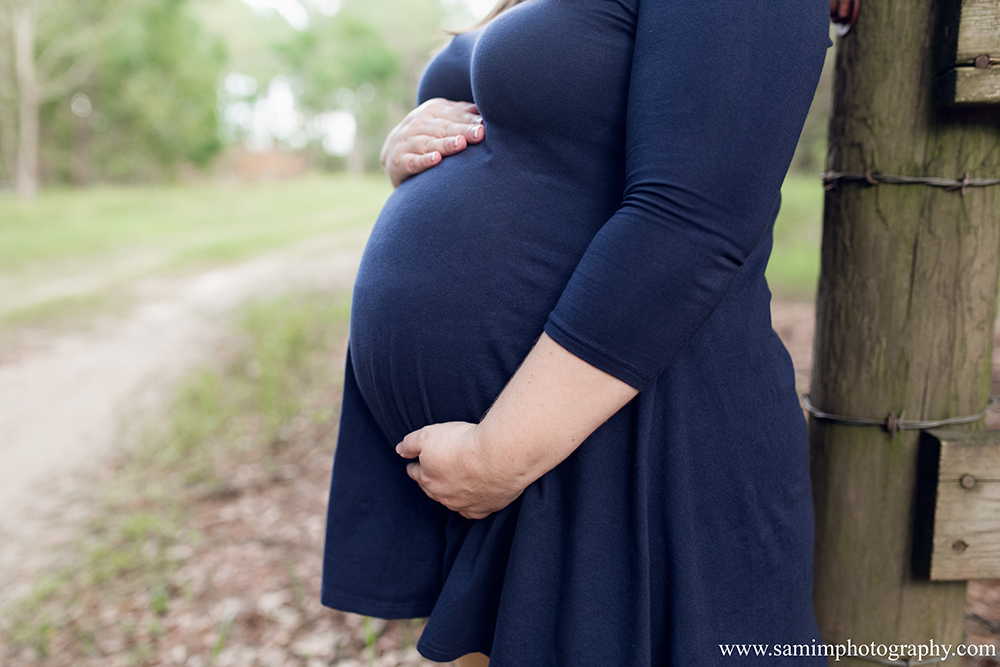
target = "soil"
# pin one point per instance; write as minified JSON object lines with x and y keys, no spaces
{"x":68,"y":397}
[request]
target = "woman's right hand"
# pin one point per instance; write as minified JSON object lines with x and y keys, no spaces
{"x":435,"y":129}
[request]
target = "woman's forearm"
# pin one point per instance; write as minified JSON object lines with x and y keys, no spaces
{"x":549,"y":407}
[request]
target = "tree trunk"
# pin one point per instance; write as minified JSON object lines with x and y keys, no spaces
{"x":81,"y":163}
{"x":8,"y":115}
{"x":8,"y":141}
{"x":356,"y":158}
{"x":29,"y":102}
{"x":905,"y":311}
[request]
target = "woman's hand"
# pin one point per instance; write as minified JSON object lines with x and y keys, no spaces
{"x":435,"y":129}
{"x":552,"y":404}
{"x":453,"y":470}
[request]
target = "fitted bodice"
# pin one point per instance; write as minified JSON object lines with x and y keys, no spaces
{"x":616,"y":198}
{"x":508,"y":218}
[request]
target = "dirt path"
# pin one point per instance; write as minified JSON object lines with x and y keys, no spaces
{"x":65,"y":397}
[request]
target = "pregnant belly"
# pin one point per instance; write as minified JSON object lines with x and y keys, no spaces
{"x":462,"y":268}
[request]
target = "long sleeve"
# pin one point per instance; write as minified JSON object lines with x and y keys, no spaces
{"x":718,"y":93}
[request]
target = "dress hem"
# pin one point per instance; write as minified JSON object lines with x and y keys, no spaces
{"x":390,"y":610}
{"x":433,"y":652}
{"x":394,"y":611}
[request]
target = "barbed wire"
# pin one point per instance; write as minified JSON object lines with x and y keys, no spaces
{"x":892,"y":423}
{"x":831,"y":178}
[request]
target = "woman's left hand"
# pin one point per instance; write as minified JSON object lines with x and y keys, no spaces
{"x":453,"y":470}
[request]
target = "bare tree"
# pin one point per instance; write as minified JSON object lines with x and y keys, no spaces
{"x":8,"y":94}
{"x":46,"y":68}
{"x":28,"y":98}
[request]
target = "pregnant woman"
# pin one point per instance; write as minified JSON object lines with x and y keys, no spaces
{"x":569,"y":434}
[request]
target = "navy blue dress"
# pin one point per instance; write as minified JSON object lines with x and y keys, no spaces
{"x":622,"y":201}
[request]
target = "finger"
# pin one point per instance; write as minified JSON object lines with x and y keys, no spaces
{"x":445,"y":146}
{"x":425,"y":144}
{"x":409,"y":448}
{"x":471,"y":119}
{"x":465,"y":107}
{"x":468,"y":134}
{"x":475,"y":133}
{"x":414,"y":163}
{"x":446,"y":127}
{"x":461,"y":112}
{"x":468,"y":514}
{"x":416,"y":473}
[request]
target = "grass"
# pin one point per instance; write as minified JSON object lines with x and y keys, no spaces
{"x":793,"y":270}
{"x":95,"y":243}
{"x":277,"y":369}
{"x":280,"y":360}
{"x":190,"y":223}
{"x":60,"y":310}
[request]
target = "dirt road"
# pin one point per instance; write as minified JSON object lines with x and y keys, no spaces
{"x":66,"y":397}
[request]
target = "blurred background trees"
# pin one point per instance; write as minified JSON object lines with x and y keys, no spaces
{"x":141,"y":91}
{"x":146,"y":90}
{"x":104,"y":90}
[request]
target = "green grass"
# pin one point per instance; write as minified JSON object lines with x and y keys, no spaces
{"x":282,"y":356}
{"x":112,"y":236}
{"x":793,"y":270}
{"x":60,"y":310}
{"x":193,"y":224}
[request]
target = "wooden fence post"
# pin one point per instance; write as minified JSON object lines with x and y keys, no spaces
{"x":905,"y":312}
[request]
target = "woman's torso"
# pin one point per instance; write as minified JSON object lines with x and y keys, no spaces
{"x":467,"y":259}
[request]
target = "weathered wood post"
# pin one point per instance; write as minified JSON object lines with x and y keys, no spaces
{"x":905,"y":311}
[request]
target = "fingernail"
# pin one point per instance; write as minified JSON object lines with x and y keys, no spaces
{"x":433,"y":157}
{"x":399,"y":448}
{"x":477,"y":131}
{"x":454,"y":142}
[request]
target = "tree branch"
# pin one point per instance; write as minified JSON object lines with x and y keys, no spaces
{"x":80,"y":40}
{"x":72,"y":78}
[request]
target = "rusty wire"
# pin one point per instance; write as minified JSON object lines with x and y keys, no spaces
{"x":892,"y":423}
{"x":832,"y":178}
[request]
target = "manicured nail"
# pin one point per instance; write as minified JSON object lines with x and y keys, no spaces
{"x":432,"y":157}
{"x":454,"y":142}
{"x":477,"y":132}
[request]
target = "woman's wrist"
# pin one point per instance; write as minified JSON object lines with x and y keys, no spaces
{"x":513,"y":467}
{"x":550,"y":406}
